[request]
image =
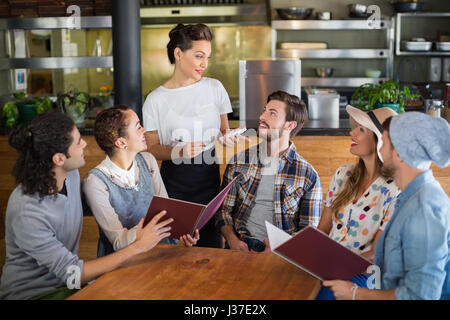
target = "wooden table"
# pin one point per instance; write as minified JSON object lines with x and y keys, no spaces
{"x":169,"y":272}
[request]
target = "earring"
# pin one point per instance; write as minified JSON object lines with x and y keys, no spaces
{"x":126,"y":147}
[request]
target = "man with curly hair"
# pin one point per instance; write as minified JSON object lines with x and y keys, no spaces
{"x":44,"y":215}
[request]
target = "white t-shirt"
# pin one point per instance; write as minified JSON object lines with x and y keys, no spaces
{"x":186,"y":114}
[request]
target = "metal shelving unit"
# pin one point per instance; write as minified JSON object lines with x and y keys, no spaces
{"x":340,"y":82}
{"x":48,"y":23}
{"x":98,"y":22}
{"x":214,"y":15}
{"x":336,"y":25}
{"x":333,"y":54}
{"x":398,"y":35}
{"x":326,"y":24}
{"x":56,"y":62}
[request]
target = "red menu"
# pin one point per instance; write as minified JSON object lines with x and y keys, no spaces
{"x":187,"y":216}
{"x":318,"y":254}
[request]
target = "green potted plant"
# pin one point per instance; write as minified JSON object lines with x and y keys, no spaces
{"x":387,"y":94}
{"x":75,"y":104}
{"x":106,"y":96}
{"x":24,"y":108}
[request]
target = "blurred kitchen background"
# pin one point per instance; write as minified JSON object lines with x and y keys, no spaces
{"x":243,"y":30}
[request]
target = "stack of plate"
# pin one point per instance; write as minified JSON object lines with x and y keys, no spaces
{"x":417,"y":44}
{"x":443,"y":46}
{"x":303,"y":45}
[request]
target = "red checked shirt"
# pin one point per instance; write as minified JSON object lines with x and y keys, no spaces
{"x":298,"y":192}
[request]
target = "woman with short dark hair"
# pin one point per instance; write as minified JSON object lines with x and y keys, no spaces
{"x":183,"y":119}
{"x":119,"y":190}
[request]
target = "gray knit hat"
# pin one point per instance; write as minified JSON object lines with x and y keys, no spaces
{"x":421,"y":139}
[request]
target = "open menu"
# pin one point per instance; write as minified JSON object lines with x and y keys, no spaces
{"x":316,"y":253}
{"x":187,"y":216}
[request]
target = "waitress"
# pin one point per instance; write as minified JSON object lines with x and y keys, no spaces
{"x":183,"y":118}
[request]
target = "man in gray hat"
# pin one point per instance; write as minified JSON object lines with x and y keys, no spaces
{"x":413,"y":251}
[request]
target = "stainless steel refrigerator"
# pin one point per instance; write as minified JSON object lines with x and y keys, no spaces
{"x":258,"y":79}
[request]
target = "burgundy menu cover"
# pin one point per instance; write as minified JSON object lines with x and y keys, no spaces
{"x":316,"y":253}
{"x":187,"y":216}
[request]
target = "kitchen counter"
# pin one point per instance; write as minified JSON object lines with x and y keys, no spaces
{"x":326,"y":128}
{"x":312,"y":128}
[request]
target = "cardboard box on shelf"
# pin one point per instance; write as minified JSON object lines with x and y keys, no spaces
{"x":444,"y":38}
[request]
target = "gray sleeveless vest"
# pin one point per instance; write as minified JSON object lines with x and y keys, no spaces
{"x":130,"y":204}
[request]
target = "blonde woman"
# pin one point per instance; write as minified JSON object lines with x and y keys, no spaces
{"x":360,"y":199}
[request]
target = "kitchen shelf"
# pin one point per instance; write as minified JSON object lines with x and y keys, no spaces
{"x":56,"y":62}
{"x":223,"y":14}
{"x":423,"y":53}
{"x":350,"y":82}
{"x":334,"y":54}
{"x":207,"y":10}
{"x":398,"y":35}
{"x":326,"y":25}
{"x":97,"y":22}
{"x":386,"y":53}
{"x":52,"y":23}
{"x":425,"y":14}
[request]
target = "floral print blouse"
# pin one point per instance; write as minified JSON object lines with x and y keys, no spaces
{"x":360,"y":220}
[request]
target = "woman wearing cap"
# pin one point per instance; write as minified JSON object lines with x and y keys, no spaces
{"x":119,"y":190}
{"x":360,"y":199}
{"x":183,"y":118}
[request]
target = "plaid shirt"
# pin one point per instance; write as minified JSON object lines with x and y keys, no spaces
{"x":298,"y":192}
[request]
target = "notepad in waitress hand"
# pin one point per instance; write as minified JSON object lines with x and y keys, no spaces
{"x":187,"y":216}
{"x":316,"y":253}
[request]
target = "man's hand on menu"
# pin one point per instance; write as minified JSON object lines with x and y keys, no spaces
{"x":188,"y":241}
{"x":149,"y":236}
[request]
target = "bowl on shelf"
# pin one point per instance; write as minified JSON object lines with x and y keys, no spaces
{"x":294,"y":13}
{"x":443,"y":46}
{"x":357,"y":10}
{"x":408,"y":6}
{"x":417,"y":45}
{"x":324,"y":15}
{"x":324,"y":72}
{"x":373,"y":73}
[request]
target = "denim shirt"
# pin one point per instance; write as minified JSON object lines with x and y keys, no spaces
{"x":413,"y":251}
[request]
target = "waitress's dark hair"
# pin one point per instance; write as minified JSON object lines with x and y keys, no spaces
{"x":110,"y":125}
{"x":36,"y":143}
{"x":182,"y":36}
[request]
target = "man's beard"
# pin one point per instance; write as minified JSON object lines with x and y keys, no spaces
{"x":387,"y":171}
{"x":270,"y":134}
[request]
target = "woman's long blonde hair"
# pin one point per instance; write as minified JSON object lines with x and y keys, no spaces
{"x":353,"y":186}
